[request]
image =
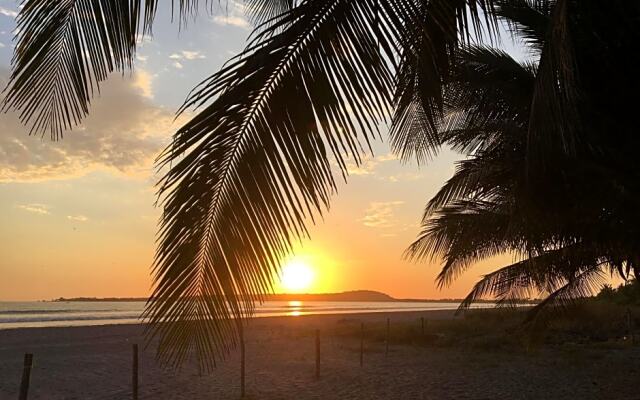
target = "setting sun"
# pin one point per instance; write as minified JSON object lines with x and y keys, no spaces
{"x":297,"y":276}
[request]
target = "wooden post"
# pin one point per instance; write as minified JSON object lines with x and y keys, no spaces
{"x":242,"y":361}
{"x":317,"y":353}
{"x":134,"y":372}
{"x":361,"y":342}
{"x":386,"y":353}
{"x":26,"y":376}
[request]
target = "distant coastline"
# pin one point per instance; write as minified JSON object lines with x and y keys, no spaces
{"x":352,"y":296}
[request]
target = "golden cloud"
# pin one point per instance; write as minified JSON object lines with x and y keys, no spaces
{"x":123,"y":134}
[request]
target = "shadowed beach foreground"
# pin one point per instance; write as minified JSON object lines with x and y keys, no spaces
{"x":95,"y":363}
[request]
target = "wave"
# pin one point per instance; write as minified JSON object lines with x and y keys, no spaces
{"x":70,"y":317}
{"x":50,"y":311}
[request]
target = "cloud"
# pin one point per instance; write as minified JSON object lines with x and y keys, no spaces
{"x":143,"y":80}
{"x":123,"y":134}
{"x":8,"y":12}
{"x":237,"y":21}
{"x":368,"y":164}
{"x":403,"y":177}
{"x":187,"y":55}
{"x":234,"y":15}
{"x":35,"y":208}
{"x":381,"y":214}
{"x":177,"y":65}
{"x":77,"y":218}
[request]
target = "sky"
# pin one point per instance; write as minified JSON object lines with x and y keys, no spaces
{"x":77,"y":216}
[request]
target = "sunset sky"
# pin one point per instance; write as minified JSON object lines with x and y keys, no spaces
{"x":77,"y":217}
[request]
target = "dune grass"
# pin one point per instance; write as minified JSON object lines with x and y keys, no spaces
{"x":591,"y":323}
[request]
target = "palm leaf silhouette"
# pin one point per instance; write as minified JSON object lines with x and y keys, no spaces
{"x":65,"y":48}
{"x":249,"y":168}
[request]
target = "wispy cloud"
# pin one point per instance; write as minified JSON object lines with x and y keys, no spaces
{"x":177,"y":65}
{"x":35,"y":208}
{"x":188,"y":55}
{"x":8,"y":12}
{"x":77,"y":218}
{"x":403,"y":177}
{"x":234,"y":15}
{"x":368,"y":164}
{"x":381,"y":214}
{"x":237,"y":21}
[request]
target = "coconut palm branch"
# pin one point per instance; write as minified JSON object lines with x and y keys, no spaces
{"x":427,"y":57}
{"x":313,"y":85}
{"x":261,"y":11}
{"x":254,"y":163}
{"x":564,"y":274}
{"x":65,"y":48}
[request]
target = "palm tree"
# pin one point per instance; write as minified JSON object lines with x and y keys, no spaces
{"x":496,"y":204}
{"x":314,"y":82}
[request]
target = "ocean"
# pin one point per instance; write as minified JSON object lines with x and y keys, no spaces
{"x":49,"y":314}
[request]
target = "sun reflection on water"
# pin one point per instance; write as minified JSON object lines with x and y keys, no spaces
{"x":295,"y":308}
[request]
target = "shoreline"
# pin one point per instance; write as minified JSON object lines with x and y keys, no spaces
{"x":293,"y":311}
{"x":366,"y":316}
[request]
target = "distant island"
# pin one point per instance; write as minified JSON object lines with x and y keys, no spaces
{"x":353,"y":295}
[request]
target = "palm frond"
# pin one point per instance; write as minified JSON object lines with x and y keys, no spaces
{"x":65,"y":48}
{"x":261,"y":11}
{"x":555,"y":118}
{"x":585,"y":283}
{"x":437,"y":27}
{"x":479,"y":177}
{"x":465,"y":232}
{"x":515,"y":281}
{"x":563,"y":274}
{"x":248,"y":169}
{"x":527,"y":19}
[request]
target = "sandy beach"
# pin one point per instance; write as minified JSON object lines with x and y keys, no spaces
{"x":95,"y":363}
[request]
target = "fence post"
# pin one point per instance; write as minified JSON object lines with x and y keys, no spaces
{"x":134,"y":371}
{"x":361,"y":342}
{"x":386,"y":353}
{"x":317,"y":353}
{"x":26,"y":376}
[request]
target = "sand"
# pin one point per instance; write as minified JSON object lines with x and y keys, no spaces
{"x":95,"y":363}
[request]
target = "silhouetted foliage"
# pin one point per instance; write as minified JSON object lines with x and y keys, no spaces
{"x":567,"y":213}
{"x":627,"y":293}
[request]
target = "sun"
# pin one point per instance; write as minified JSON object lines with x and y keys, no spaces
{"x":297,"y":276}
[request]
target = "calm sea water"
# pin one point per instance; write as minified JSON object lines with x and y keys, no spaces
{"x":45,"y":314}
